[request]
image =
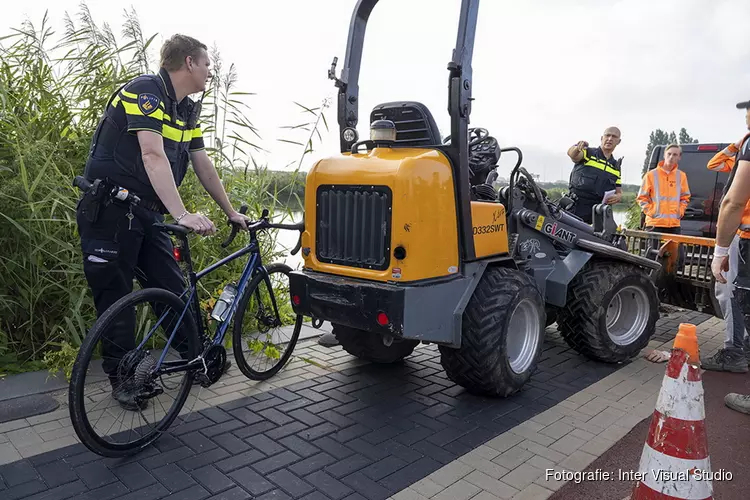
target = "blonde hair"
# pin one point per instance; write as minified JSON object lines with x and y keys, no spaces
{"x":672,"y":145}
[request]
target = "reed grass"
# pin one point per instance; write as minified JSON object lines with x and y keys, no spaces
{"x":53,"y":90}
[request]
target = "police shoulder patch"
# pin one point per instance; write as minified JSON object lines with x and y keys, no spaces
{"x":148,"y":103}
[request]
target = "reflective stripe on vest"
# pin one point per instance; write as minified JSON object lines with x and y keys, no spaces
{"x":593,"y":162}
{"x":659,"y":198}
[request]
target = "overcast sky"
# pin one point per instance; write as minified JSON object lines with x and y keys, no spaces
{"x":547,"y":73}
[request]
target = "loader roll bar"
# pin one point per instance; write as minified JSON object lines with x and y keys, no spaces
{"x":459,"y":103}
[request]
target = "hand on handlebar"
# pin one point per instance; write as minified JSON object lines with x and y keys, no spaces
{"x":198,"y":223}
{"x":240,"y":219}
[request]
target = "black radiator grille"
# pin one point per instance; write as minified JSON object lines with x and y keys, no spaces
{"x":354,"y":226}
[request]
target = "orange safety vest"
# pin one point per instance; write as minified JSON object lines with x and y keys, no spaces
{"x":724,"y":161}
{"x":664,"y":196}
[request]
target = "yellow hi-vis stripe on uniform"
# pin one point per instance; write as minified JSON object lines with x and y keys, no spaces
{"x":133,"y":109}
{"x":133,"y":96}
{"x":176,"y":134}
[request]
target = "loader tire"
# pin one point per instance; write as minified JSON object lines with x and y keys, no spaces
{"x":370,"y":347}
{"x":611,"y":311}
{"x":502,"y":335}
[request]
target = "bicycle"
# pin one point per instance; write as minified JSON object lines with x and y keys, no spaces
{"x":200,"y":357}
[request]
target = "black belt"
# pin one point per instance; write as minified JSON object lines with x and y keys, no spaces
{"x":154,"y":206}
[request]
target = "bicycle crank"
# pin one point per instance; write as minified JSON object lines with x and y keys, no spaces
{"x":214,"y":360}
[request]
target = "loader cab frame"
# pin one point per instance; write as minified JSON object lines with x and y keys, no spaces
{"x":459,"y":105}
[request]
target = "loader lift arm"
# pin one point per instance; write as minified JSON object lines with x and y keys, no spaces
{"x":459,"y":103}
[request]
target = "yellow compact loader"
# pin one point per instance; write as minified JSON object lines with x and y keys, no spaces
{"x":406,"y":241}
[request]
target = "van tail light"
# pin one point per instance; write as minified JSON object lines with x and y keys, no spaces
{"x":708,"y":147}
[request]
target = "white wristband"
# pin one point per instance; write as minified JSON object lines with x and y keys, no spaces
{"x":721,"y":251}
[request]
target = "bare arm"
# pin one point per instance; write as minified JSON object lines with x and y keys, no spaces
{"x":209,"y":178}
{"x":733,"y":204}
{"x":159,"y":172}
{"x":575,"y":153}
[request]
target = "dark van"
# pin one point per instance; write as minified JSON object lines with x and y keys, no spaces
{"x":706,"y":187}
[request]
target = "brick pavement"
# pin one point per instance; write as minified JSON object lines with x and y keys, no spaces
{"x":342,"y":429}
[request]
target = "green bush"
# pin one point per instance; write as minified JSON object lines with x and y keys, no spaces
{"x":51,"y":97}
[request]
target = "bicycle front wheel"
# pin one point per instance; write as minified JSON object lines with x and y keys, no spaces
{"x":266,"y":328}
{"x":118,"y":405}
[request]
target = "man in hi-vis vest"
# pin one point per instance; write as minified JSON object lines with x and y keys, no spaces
{"x":665,"y":193}
{"x":734,"y":218}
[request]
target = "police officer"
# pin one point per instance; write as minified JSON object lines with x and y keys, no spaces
{"x":595,"y":172}
{"x":147,"y":135}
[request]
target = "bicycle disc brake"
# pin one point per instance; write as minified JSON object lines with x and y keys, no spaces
{"x":215,"y":359}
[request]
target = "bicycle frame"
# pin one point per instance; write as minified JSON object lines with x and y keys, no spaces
{"x":253,"y":266}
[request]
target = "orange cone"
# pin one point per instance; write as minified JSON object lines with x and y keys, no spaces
{"x":675,"y":463}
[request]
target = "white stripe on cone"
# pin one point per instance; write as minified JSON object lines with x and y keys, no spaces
{"x":680,"y":398}
{"x":671,"y":476}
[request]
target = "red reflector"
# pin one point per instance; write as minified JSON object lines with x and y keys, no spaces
{"x":708,"y":147}
{"x":296,"y":300}
{"x":177,"y":254}
{"x":382,"y":319}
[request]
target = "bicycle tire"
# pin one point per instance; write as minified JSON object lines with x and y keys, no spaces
{"x":78,"y":417}
{"x":237,"y":330}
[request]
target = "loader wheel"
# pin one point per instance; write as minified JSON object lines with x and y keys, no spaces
{"x":369,"y":346}
{"x":611,"y":312}
{"x":502,"y":335}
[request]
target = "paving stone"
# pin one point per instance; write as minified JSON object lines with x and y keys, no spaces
{"x":290,"y":483}
{"x":276,"y":495}
{"x":276,"y":462}
{"x":491,"y":484}
{"x":460,"y":490}
{"x":57,"y":473}
{"x":212,"y":479}
{"x":513,"y":458}
{"x":133,"y":476}
{"x":365,"y":486}
{"x":173,"y":477}
{"x":577,"y":461}
{"x":327,"y":484}
{"x":533,"y":492}
{"x":522,"y":476}
{"x":449,"y":474}
{"x":484,"y":465}
{"x":251,"y":481}
{"x":364,"y":433}
{"x":408,"y":494}
{"x":427,"y":487}
{"x":233,"y":494}
{"x":236,"y":461}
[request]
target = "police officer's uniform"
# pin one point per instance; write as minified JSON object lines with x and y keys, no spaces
{"x":591,"y":177}
{"x":122,"y":243}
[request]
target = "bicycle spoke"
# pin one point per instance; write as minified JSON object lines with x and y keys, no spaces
{"x":267,"y":330}
{"x":125,"y":382}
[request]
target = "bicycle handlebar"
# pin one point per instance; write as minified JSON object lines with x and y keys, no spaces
{"x":264,"y":224}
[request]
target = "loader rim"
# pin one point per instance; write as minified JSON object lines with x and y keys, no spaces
{"x":523,"y":336}
{"x":627,"y":315}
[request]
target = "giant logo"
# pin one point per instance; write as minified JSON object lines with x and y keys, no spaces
{"x":552,"y":229}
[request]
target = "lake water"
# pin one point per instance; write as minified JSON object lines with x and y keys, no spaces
{"x":286,"y":240}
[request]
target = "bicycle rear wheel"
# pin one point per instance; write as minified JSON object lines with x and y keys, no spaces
{"x":112,"y":383}
{"x":264,"y":335}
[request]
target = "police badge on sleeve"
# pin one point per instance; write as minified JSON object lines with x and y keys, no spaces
{"x":148,"y":103}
